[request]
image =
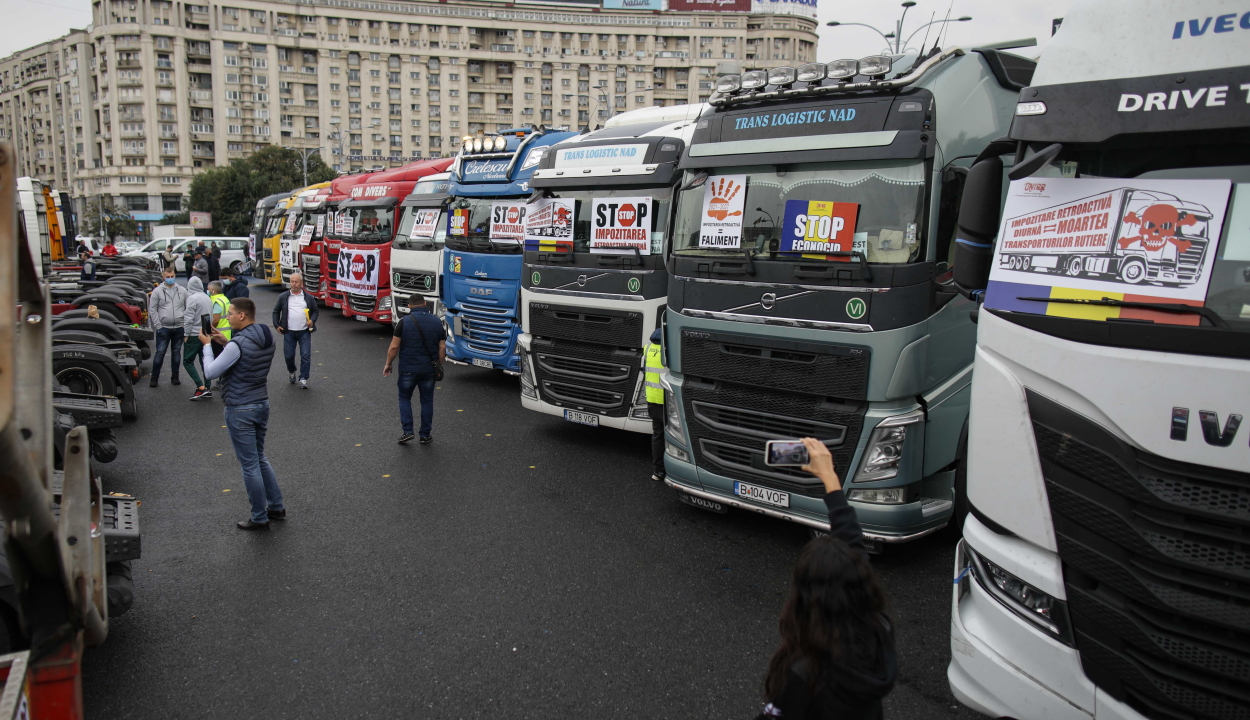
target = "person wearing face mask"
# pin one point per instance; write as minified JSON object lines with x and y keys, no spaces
{"x":234,"y":286}
{"x":166,"y":306}
{"x":198,"y":305}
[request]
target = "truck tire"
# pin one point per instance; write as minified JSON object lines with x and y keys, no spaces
{"x":1133,"y":271}
{"x":235,"y":267}
{"x":1074,"y":266}
{"x":85,"y":376}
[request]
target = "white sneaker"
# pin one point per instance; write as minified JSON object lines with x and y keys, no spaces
{"x":303,"y":384}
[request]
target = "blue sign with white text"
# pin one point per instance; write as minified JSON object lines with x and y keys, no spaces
{"x":485,"y":171}
{"x":762,"y":120}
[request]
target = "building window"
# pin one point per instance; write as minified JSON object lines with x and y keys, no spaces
{"x":136,"y":202}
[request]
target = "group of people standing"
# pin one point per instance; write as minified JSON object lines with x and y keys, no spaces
{"x":175,"y":313}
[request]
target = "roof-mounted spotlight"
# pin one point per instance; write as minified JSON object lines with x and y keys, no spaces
{"x":728,"y":84}
{"x":501,"y":143}
{"x":754,"y":79}
{"x":842,"y":69}
{"x":875,"y":65}
{"x":812,"y":72}
{"x":477,"y":144}
{"x":782,"y":76}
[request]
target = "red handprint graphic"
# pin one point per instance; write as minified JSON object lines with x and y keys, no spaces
{"x":1158,"y":226}
{"x":722,"y":193}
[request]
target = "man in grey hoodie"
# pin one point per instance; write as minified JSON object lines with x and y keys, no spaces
{"x":198,"y":303}
{"x":166,"y":306}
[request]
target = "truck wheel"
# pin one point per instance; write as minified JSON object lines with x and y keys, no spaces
{"x":86,"y":377}
{"x":1074,"y":266}
{"x":236,"y":267}
{"x":1133,"y":271}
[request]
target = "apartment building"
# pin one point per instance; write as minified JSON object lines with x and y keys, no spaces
{"x":155,"y":91}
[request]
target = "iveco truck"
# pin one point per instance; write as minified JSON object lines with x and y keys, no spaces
{"x":416,"y":252}
{"x":1104,"y":570}
{"x":809,"y":291}
{"x":486,"y":229}
{"x":588,"y":309}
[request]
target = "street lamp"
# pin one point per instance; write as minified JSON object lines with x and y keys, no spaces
{"x":897,"y":35}
{"x":304,"y":155}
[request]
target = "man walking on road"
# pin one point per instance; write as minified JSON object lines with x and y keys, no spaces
{"x":198,"y":305}
{"x":166,"y":306}
{"x":655,"y":403}
{"x":421,"y":345}
{"x":244,"y":368}
{"x":295,"y":317}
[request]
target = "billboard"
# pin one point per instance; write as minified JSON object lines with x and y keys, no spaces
{"x":202,"y":220}
{"x":710,"y":5}
{"x":806,"y":8}
{"x":632,"y":5}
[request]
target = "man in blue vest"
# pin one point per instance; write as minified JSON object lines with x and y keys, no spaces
{"x":244,"y":368}
{"x":420,"y":343}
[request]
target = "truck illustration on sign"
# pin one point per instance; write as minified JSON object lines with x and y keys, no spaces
{"x":1124,"y":235}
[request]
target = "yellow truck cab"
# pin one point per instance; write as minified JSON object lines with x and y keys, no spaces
{"x":274,"y":225}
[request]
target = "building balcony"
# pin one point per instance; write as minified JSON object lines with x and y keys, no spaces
{"x":201,"y":97}
{"x":667,"y":94}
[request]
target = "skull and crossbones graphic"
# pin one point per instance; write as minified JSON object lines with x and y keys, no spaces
{"x":1157,"y":226}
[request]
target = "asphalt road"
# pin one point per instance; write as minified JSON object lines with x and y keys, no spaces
{"x":519,"y":567}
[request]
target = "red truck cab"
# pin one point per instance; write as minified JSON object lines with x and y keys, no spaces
{"x":319,"y":258}
{"x":367,"y":221}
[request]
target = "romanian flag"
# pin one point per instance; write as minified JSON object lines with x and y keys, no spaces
{"x":1007,"y":296}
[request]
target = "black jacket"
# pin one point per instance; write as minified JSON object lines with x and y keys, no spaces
{"x":279,"y":310}
{"x":847,"y":692}
{"x":238,"y":288}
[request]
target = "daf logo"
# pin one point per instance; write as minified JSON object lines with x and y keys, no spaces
{"x":581,"y":281}
{"x":767,"y":300}
{"x":481,"y":291}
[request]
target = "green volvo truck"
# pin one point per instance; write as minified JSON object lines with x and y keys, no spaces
{"x":810,"y":290}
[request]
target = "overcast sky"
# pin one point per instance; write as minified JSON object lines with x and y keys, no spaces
{"x":28,"y":22}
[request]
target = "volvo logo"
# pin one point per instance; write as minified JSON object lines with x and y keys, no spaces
{"x":767,"y":300}
{"x":581,"y":281}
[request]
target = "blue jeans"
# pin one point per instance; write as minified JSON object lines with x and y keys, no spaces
{"x":416,"y":381}
{"x":304,"y":339}
{"x":165,"y":337}
{"x":247,"y":425}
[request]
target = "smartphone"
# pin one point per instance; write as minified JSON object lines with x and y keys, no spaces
{"x":206,"y":324}
{"x":785,"y":453}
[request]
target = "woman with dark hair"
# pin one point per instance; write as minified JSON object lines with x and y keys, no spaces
{"x":836,"y":657}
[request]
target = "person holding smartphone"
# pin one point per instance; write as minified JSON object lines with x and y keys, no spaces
{"x":836,"y":658}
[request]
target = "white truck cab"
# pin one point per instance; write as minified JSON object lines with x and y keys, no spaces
{"x":416,"y":251}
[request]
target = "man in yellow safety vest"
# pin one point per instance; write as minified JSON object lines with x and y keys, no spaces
{"x":655,"y":403}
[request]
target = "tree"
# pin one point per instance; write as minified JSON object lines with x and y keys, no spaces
{"x":230,"y":192}
{"x":104,"y":218}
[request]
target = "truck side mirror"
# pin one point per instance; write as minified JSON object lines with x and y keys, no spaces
{"x":978,"y":224}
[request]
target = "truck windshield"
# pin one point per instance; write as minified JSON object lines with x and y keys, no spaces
{"x":295,"y":227}
{"x":258,"y":221}
{"x":275,"y":225}
{"x":1228,"y":293}
{"x":420,"y":228}
{"x":661,"y":197}
{"x":370,"y":225}
{"x":474,"y":236}
{"x":890,"y":199}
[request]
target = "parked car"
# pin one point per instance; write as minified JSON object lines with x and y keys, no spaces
{"x":233,"y":250}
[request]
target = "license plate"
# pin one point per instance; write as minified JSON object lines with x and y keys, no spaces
{"x":337,"y":305}
{"x":702,"y":503}
{"x":761,"y":494}
{"x":361,"y":318}
{"x":581,"y":418}
{"x":484,"y":363}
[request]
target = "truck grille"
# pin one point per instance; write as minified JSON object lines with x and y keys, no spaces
{"x":484,"y":329}
{"x":591,"y":325}
{"x":1156,"y":563}
{"x":312,"y":271}
{"x":332,"y":268}
{"x":415,"y":281}
{"x":586,"y":375}
{"x":832,"y":370}
{"x":269,"y":253}
{"x":729,"y":424}
{"x":361,"y":303}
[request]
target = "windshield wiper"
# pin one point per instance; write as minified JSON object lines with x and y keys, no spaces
{"x":1205,"y":312}
{"x":750,"y":260}
{"x":864,"y":270}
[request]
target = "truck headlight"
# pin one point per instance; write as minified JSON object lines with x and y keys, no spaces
{"x":387,"y":303}
{"x":880,"y":496}
{"x":675,"y":452}
{"x":1045,"y":612}
{"x":672,"y":416}
{"x":528,"y":383}
{"x":885,"y":448}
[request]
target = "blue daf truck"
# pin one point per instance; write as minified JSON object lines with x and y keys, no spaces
{"x":810,"y":291}
{"x":485,"y":243}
